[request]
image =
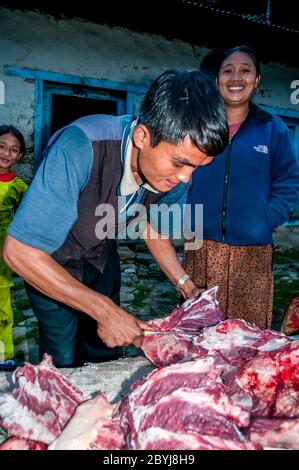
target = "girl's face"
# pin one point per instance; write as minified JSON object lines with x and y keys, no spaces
{"x":10,"y":152}
{"x":237,"y":79}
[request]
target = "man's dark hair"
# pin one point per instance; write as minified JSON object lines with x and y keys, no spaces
{"x":181,"y":103}
{"x":9,"y":129}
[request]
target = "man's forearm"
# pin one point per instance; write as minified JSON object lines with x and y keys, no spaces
{"x":41,"y":271}
{"x":115,"y":326}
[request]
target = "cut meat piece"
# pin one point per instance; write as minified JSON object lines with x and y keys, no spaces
{"x":290,"y":322}
{"x":287,"y":400}
{"x":41,"y":404}
{"x":281,"y":433}
{"x":272,"y":379}
{"x":17,"y":443}
{"x":163,"y":350}
{"x":91,"y":427}
{"x":206,"y":409}
{"x":239,"y":340}
{"x":162,"y":400}
{"x":181,"y":405}
{"x":161,"y":439}
{"x":191,"y":316}
{"x":161,"y":382}
{"x":260,"y":377}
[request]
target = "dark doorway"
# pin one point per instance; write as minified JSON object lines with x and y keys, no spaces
{"x":65,"y":109}
{"x":65,"y":102}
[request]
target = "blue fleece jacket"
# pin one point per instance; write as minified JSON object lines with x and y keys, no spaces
{"x":249,"y":189}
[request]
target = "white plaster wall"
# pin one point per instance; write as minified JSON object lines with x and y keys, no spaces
{"x":32,"y":40}
{"x":36,"y":41}
{"x":275,"y":86}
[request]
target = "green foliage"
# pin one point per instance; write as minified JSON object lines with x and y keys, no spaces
{"x":22,"y":303}
{"x":18,"y":316}
{"x":20,"y":340}
{"x":140,"y":292}
{"x":284,"y":290}
{"x":286,"y":257}
{"x":173,"y":298}
{"x":19,"y":302}
{"x":3,"y":435}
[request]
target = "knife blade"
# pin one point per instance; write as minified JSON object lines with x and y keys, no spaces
{"x":179,"y":333}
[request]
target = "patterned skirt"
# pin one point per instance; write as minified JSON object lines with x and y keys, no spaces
{"x":244,"y":275}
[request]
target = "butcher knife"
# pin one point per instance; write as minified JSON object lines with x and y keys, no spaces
{"x":177,"y":332}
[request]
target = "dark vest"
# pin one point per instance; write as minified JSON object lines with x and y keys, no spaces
{"x":82,"y":244}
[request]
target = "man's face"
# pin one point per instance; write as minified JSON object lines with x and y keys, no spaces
{"x":165,"y":165}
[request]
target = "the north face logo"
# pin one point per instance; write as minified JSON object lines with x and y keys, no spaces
{"x":261,"y":148}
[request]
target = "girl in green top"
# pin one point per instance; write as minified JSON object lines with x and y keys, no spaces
{"x":12,"y":188}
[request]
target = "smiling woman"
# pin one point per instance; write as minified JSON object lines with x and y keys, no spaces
{"x":255,"y":183}
{"x":238,"y":78}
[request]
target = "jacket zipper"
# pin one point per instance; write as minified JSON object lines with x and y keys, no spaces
{"x":226,"y":176}
{"x":225,"y":193}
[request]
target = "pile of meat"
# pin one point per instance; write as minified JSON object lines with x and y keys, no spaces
{"x":224,"y":385}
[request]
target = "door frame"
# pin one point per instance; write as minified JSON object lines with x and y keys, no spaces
{"x":46,"y":83}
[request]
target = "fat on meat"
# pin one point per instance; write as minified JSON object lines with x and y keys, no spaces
{"x":275,"y":433}
{"x":206,"y":408}
{"x":91,"y":427}
{"x":161,"y":439}
{"x":287,"y":400}
{"x":41,"y":403}
{"x":162,"y":381}
{"x":239,"y":341}
{"x":272,"y":379}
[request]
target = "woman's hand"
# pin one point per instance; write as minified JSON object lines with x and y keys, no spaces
{"x":189,"y":290}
